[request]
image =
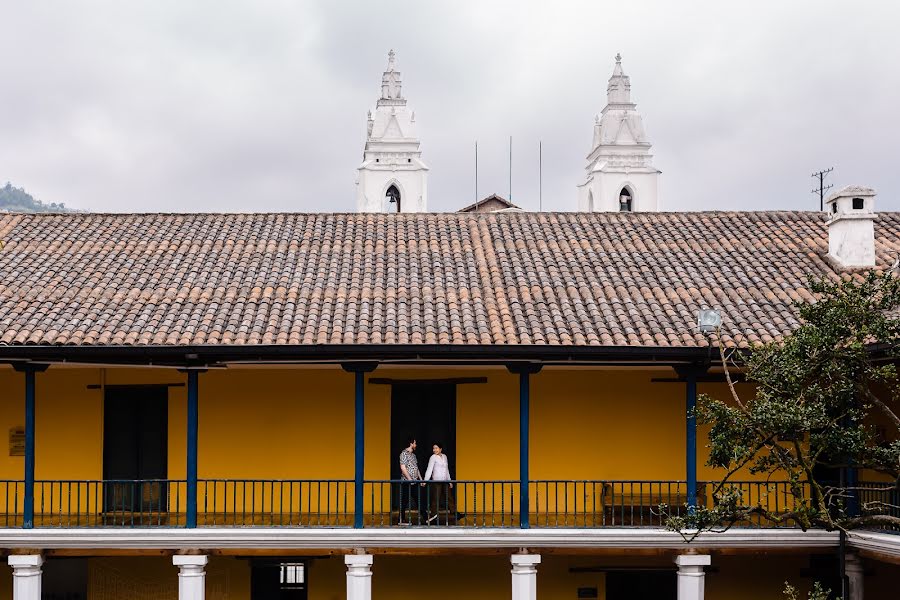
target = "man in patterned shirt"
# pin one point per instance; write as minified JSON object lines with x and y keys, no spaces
{"x":409,"y":472}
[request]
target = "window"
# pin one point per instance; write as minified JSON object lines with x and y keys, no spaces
{"x":293,"y":576}
{"x":278,"y":580}
{"x":858,"y":203}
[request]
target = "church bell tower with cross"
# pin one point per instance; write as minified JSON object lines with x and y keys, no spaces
{"x":392,"y":176}
{"x":620,"y":175}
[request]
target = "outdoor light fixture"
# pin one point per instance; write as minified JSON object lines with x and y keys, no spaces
{"x":708,"y":319}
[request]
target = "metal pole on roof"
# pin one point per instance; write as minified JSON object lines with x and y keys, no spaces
{"x":820,"y":175}
{"x":510,"y":168}
{"x":540,"y":176}
{"x":476,"y":175}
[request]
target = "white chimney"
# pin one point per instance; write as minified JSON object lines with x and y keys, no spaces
{"x":851,"y":226}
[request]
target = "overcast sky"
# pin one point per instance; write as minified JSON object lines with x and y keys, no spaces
{"x":261,"y":105}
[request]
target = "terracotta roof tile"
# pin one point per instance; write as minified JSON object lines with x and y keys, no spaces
{"x":510,"y":278}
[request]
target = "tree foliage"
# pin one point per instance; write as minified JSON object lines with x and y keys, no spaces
{"x":816,"y":593}
{"x":818,"y":395}
{"x":16,"y":199}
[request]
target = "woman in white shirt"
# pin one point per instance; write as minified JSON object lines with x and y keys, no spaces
{"x":441,"y":491}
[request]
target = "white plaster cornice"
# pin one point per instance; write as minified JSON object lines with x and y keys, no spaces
{"x":873,"y":541}
{"x":333,"y":538}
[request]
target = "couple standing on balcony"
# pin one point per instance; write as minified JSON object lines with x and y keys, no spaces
{"x":439,"y":494}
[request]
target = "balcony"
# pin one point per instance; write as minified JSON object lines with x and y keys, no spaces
{"x":328,"y":503}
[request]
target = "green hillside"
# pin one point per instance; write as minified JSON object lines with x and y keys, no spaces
{"x":15,"y":199}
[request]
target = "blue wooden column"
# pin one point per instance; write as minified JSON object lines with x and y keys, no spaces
{"x":524,"y":371}
{"x":359,"y":371}
{"x":691,"y":437}
{"x":193,"y":421}
{"x":29,"y":370}
{"x":689,"y":374}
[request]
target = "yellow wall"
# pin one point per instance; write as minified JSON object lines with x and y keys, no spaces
{"x":298,"y":423}
{"x":148,"y":578}
{"x":488,"y":577}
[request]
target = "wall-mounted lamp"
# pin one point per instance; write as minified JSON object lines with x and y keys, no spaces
{"x":708,"y":320}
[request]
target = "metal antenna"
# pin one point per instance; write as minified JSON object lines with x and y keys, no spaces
{"x":822,"y":187}
{"x":540,"y":176}
{"x":510,"y":168}
{"x":476,"y":175}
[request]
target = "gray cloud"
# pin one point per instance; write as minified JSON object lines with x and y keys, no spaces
{"x":175,"y":106}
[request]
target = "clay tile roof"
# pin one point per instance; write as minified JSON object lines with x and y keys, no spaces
{"x":570,"y":279}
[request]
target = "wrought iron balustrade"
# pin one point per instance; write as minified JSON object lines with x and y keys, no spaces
{"x":109,"y":503}
{"x":879,"y":498}
{"x":395,"y":503}
{"x":595,"y":503}
{"x":463,"y":503}
{"x":14,"y":498}
{"x":275,"y":502}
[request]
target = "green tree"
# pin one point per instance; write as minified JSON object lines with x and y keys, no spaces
{"x":16,"y":199}
{"x":818,"y":395}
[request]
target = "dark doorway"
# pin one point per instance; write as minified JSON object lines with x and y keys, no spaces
{"x":135,"y":449}
{"x":641,"y":585}
{"x":427,"y":412}
{"x":64,"y":579}
{"x":278,"y":580}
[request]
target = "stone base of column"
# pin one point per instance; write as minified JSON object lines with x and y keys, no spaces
{"x":856,"y":575}
{"x":359,"y":576}
{"x":524,"y":576}
{"x":191,"y":576}
{"x":691,"y":578}
{"x":26,"y":576}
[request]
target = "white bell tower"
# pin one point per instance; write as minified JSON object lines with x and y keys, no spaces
{"x":620,"y":173}
{"x":392,"y":177}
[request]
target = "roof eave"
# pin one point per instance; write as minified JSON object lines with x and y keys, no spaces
{"x":340,"y":353}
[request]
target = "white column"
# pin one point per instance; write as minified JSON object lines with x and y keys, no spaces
{"x":524,"y":576}
{"x":26,"y":576}
{"x":359,"y":576}
{"x":191,"y":576}
{"x":690,"y":575}
{"x":856,"y":573}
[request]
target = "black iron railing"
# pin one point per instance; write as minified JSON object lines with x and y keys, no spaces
{"x":775,"y":497}
{"x":879,"y":498}
{"x":395,"y":503}
{"x":452,"y":503}
{"x":591,"y":503}
{"x":14,"y":498}
{"x":113,"y":503}
{"x":275,"y":502}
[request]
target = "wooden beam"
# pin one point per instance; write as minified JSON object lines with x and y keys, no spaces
{"x":446,"y":380}
{"x":90,"y":552}
{"x":711,"y":378}
{"x":880,"y":556}
{"x":97,"y":386}
{"x":249,"y":553}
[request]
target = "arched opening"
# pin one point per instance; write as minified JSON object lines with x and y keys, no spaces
{"x":625,"y":200}
{"x":590,"y":205}
{"x":392,"y":199}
